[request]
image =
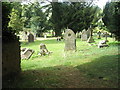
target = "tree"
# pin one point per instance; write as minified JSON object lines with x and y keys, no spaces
{"x":16,"y":23}
{"x":6,"y":9}
{"x":74,"y":15}
{"x":111,"y":18}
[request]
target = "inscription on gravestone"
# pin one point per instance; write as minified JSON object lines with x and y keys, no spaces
{"x":70,"y":40}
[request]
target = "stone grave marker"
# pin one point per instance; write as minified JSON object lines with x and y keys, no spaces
{"x":58,"y":38}
{"x":45,"y":35}
{"x":90,"y":38}
{"x":80,"y":33}
{"x":84,"y":35}
{"x":24,"y":36}
{"x":30,"y":38}
{"x":88,"y":32}
{"x":43,"y":50}
{"x":77,"y":35}
{"x":26,"y":53}
{"x":70,"y":40}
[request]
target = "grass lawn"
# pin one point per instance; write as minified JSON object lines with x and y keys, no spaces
{"x":88,"y":67}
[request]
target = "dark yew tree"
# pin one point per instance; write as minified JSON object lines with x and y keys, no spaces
{"x":6,"y":9}
{"x":112,"y":18}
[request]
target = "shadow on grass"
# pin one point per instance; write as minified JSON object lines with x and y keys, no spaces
{"x":104,"y":69}
{"x":100,"y":73}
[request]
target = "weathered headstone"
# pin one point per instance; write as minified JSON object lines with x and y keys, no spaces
{"x":30,"y":38}
{"x":90,"y":39}
{"x":84,"y":35}
{"x":70,"y":40}
{"x":88,"y":32}
{"x":77,"y":35}
{"x":80,"y":33}
{"x":45,"y":35}
{"x":24,"y":36}
{"x":43,"y":50}
{"x":26,"y":53}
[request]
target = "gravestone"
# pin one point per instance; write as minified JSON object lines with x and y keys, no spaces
{"x":26,"y":53}
{"x":24,"y":36}
{"x":88,"y":32}
{"x":77,"y":35}
{"x":70,"y":40}
{"x":80,"y":33}
{"x":45,"y":35}
{"x":84,"y":35}
{"x":30,"y":38}
{"x":43,"y":50}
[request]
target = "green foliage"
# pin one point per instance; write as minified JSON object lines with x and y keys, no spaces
{"x":74,"y":15}
{"x":34,"y":18}
{"x":16,"y":23}
{"x":111,"y":17}
{"x":6,"y":9}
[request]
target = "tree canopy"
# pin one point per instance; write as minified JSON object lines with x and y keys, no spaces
{"x":112,"y":18}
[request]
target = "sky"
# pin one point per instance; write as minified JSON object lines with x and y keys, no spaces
{"x":101,"y":3}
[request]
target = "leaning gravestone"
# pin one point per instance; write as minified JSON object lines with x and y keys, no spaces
{"x":30,"y":38}
{"x":84,"y":35}
{"x":70,"y":40}
{"x":43,"y":50}
{"x":26,"y":53}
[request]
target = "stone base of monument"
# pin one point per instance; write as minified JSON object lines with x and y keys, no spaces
{"x":26,"y":53}
{"x":90,"y":40}
{"x":102,"y":44}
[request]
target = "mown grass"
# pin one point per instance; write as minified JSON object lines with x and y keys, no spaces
{"x":89,"y":66}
